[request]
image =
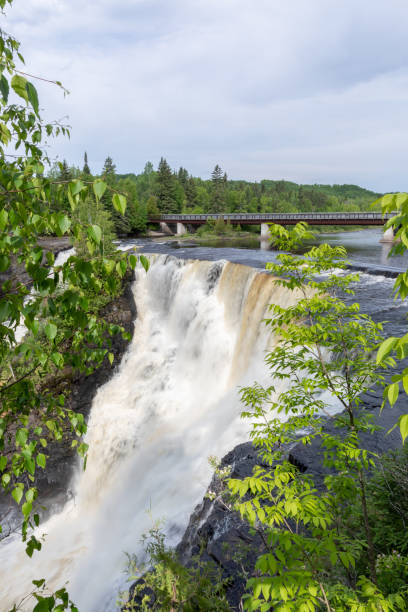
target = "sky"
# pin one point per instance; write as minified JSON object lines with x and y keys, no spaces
{"x":313,"y":91}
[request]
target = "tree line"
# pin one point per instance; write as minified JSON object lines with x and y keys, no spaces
{"x":166,"y":191}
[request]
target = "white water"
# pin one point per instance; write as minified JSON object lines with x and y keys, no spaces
{"x":172,"y":403}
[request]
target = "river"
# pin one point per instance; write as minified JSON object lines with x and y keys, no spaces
{"x":172,"y":402}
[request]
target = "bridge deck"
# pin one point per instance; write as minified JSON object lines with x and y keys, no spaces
{"x":332,"y":218}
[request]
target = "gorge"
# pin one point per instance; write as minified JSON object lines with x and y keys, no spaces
{"x":171,"y":403}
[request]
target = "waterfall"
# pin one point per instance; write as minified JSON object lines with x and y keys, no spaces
{"x":172,"y":402}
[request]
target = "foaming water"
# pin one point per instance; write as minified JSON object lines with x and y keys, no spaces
{"x":199,"y":334}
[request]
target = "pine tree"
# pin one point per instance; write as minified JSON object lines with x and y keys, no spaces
{"x":191,"y":192}
{"x":109,"y":170}
{"x":182,"y":177}
{"x":85,"y":169}
{"x":166,"y":188}
{"x":218,"y":190}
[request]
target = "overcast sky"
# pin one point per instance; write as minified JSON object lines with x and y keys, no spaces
{"x":313,"y":91}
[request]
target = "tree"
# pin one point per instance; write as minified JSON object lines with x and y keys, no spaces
{"x":396,"y":348}
{"x":56,"y":304}
{"x":85,"y":170}
{"x":152,"y":208}
{"x":109,"y":170}
{"x":218,"y":181}
{"x":166,"y":189}
{"x":325,"y":344}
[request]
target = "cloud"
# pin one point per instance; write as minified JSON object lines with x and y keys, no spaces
{"x":312,"y":91}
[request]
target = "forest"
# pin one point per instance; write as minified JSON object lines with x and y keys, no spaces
{"x":166,"y":191}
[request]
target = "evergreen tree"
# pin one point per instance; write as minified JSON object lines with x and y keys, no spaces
{"x":191,"y":193}
{"x":109,"y":170}
{"x":166,"y":189}
{"x":182,"y":177}
{"x":85,"y":169}
{"x":218,"y":190}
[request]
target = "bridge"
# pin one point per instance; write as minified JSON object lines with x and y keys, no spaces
{"x":182,"y":221}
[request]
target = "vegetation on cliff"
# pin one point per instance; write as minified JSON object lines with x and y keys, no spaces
{"x":49,"y":322}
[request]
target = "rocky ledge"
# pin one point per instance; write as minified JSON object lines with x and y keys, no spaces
{"x":214,"y":533}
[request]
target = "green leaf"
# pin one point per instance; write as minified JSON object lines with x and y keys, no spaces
{"x":111,"y":357}
{"x":50,"y":331}
{"x":17,"y":494}
{"x":19,"y":84}
{"x":403,"y":425}
{"x":4,"y":311}
{"x":99,"y":188}
{"x":95,"y":233}
{"x":45,"y":605}
{"x":26,"y":508}
{"x":119,"y":203}
{"x":64,"y":223}
{"x":3,"y":463}
{"x":132,"y":261}
{"x":32,"y":96}
{"x":41,"y":460}
{"x":4,"y":262}
{"x":76,"y":187}
{"x":386,"y":348}
{"x":4,"y":88}
{"x":145,"y":262}
{"x":392,"y":393}
{"x":21,"y":437}
{"x":3,"y":219}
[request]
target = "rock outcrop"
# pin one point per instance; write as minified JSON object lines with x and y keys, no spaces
{"x":218,"y":534}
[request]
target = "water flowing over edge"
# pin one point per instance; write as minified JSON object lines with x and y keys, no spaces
{"x":172,"y":402}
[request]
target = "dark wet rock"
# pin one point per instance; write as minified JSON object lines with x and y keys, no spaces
{"x":217,"y":534}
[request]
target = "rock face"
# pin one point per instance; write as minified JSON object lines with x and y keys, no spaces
{"x":53,"y":481}
{"x":215,"y":533}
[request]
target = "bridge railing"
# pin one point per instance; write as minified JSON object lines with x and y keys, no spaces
{"x":276,"y":217}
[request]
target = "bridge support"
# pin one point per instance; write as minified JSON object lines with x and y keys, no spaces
{"x":181,"y":229}
{"x":265,"y":237}
{"x":265,"y":233}
{"x":388,"y":235}
{"x":165,"y":228}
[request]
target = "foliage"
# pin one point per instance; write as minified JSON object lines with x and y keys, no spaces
{"x":166,"y":189}
{"x":396,"y":348}
{"x":171,"y":586}
{"x":54,"y":303}
{"x":387,"y":500}
{"x":181,"y":192}
{"x":92,"y":212}
{"x":325,"y":347}
{"x":392,"y":571}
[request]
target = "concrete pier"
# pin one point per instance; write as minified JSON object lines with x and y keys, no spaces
{"x":165,"y":228}
{"x":181,"y":229}
{"x":388,"y":235}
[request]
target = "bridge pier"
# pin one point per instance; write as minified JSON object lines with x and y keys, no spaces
{"x":265,"y":236}
{"x":165,"y":228}
{"x":388,"y":235}
{"x":181,"y":229}
{"x":265,"y":232}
